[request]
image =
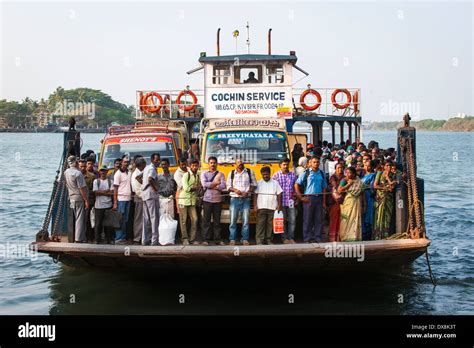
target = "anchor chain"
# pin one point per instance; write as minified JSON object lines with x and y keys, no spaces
{"x":415,"y":228}
{"x":43,"y":235}
{"x":418,"y":231}
{"x":59,"y":216}
{"x":58,"y":189}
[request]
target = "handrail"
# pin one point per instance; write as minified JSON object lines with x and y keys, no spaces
{"x":332,"y":103}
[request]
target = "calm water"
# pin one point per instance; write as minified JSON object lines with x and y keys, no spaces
{"x":38,"y":286}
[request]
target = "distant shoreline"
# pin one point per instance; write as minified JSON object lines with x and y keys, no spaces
{"x":456,"y":124}
{"x":418,"y":129}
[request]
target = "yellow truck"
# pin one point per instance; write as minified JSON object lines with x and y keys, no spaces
{"x":258,"y":142}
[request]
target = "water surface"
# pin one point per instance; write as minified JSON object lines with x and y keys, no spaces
{"x":28,"y":163}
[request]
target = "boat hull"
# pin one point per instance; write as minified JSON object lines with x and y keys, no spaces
{"x":373,"y":255}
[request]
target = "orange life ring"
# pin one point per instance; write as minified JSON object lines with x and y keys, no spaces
{"x":152,"y":108}
{"x":335,"y":93}
{"x":186,"y":107}
{"x":318,"y":99}
{"x":355,"y":101}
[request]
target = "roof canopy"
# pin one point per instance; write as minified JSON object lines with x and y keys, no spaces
{"x":249,"y":58}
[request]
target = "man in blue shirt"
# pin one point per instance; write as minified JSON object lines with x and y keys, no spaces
{"x":312,"y":182}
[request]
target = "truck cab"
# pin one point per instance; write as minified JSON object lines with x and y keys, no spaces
{"x":138,"y":139}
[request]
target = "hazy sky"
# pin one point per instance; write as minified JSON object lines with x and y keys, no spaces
{"x":401,"y":54}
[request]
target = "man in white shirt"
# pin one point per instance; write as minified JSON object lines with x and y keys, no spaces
{"x":137,"y":181}
{"x":122,"y":198}
{"x":150,"y":202}
{"x":268,"y":200}
{"x":103,"y":189}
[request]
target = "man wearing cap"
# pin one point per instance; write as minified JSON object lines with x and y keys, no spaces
{"x":103,"y":189}
{"x":77,"y":191}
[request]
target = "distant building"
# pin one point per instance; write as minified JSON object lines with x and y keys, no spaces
{"x":3,"y":122}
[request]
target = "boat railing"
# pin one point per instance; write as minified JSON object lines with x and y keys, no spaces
{"x":186,"y":103}
{"x":169,"y":104}
{"x":327,"y":101}
{"x":148,"y":125}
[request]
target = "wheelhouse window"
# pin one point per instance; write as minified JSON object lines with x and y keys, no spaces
{"x":221,"y":74}
{"x":275,"y":74}
{"x":248,"y":74}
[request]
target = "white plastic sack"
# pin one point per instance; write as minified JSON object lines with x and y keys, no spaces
{"x":166,"y":206}
{"x":92,"y":217}
{"x":167,"y":229}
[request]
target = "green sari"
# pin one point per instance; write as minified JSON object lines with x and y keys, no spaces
{"x":351,"y":212}
{"x":384,"y":204}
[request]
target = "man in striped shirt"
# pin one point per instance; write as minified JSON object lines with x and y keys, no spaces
{"x":287,"y":180}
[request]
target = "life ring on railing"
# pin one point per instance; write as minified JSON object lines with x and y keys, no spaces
{"x":186,"y":107}
{"x":318,"y":99}
{"x":335,"y":93}
{"x":152,"y":108}
{"x":355,"y":101}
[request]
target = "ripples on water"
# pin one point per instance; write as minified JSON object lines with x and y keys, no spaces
{"x":28,"y":164}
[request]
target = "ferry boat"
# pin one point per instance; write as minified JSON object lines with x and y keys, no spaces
{"x":248,"y":104}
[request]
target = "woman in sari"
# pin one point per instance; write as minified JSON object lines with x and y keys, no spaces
{"x":368,"y":215}
{"x":335,"y":200}
{"x":384,"y":202}
{"x":351,"y":209}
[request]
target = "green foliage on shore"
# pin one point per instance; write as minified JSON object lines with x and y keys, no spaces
{"x":465,"y":124}
{"x":61,"y":104}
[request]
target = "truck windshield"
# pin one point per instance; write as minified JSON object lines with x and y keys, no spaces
{"x":251,"y":146}
{"x":132,"y":146}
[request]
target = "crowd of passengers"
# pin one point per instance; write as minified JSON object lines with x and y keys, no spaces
{"x":347,"y":187}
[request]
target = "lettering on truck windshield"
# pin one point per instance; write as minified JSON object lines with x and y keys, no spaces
{"x":251,"y":146}
{"x":131,"y":146}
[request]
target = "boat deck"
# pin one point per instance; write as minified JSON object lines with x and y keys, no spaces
{"x":305,"y":256}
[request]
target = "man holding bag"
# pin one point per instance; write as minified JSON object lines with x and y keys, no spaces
{"x":287,"y":180}
{"x":268,"y":199}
